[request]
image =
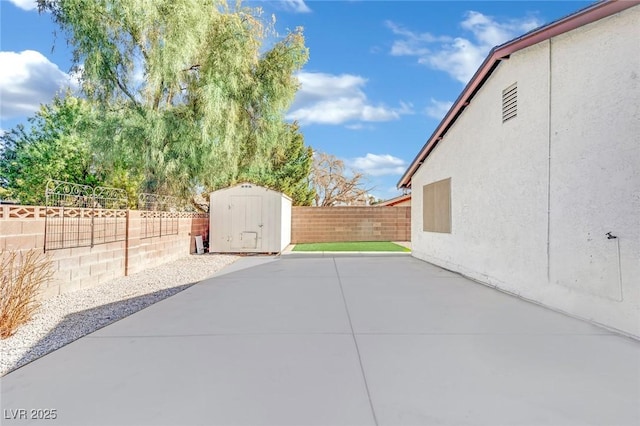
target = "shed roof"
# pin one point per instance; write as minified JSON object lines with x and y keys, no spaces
{"x":253,"y":185}
{"x":582,"y":17}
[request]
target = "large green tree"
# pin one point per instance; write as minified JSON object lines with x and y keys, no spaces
{"x":51,"y":147}
{"x":291,"y":164}
{"x":187,"y":93}
{"x":56,"y":145}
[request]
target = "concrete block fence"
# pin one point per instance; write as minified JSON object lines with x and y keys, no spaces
{"x":336,"y":224}
{"x":23,"y":228}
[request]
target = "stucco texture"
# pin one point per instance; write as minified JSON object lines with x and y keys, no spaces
{"x":533,"y":198}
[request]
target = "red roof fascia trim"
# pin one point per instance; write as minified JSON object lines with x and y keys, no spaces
{"x":392,"y":202}
{"x":577,"y":20}
{"x":586,"y":16}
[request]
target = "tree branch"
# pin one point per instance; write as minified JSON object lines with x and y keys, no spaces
{"x":124,"y":89}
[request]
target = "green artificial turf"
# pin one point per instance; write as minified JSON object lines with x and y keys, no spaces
{"x":351,"y":246}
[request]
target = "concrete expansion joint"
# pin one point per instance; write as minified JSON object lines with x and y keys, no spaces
{"x":355,"y":342}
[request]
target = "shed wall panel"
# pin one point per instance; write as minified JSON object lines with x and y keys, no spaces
{"x":248,"y":218}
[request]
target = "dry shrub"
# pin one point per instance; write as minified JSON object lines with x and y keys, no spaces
{"x":21,"y":276}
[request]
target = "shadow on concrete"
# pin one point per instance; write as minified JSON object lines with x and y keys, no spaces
{"x":81,"y":323}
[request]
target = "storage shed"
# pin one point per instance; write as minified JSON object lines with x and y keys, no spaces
{"x":249,"y":218}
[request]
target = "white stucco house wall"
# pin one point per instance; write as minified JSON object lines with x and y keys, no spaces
{"x":537,"y":168}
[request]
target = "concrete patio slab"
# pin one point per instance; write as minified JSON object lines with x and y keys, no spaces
{"x":247,"y":262}
{"x":270,"y":267}
{"x":239,"y":305}
{"x":446,"y":305}
{"x":489,"y":379}
{"x":196,"y":380}
{"x":398,"y":269}
{"x":336,"y":340}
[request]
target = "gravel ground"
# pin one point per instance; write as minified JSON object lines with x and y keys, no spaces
{"x":67,"y":317}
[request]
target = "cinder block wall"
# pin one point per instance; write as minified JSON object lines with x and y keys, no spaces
{"x":335,"y":224}
{"x":146,"y":253}
{"x":23,"y":228}
{"x":199,"y":226}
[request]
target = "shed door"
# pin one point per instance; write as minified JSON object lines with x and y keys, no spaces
{"x":246,"y":222}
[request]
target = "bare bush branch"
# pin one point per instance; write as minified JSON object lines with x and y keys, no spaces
{"x":21,"y":277}
{"x":332,"y":186}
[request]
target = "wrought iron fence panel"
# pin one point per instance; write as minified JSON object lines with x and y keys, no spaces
{"x":110,"y":216}
{"x":150,"y":224}
{"x":109,"y":198}
{"x":81,"y":215}
{"x":109,"y":225}
{"x":170,"y":223}
{"x":159,"y":216}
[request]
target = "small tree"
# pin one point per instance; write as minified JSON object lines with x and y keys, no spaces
{"x":332,"y":185}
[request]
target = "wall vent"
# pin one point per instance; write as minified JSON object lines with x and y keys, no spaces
{"x":510,"y":102}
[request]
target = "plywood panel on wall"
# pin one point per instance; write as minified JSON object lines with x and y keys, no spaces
{"x":436,"y":206}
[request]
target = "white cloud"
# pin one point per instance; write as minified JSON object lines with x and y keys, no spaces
{"x":379,"y":165}
{"x":28,"y":79}
{"x":437,"y":109}
{"x":460,"y":57}
{"x":296,"y":6}
{"x":336,"y":99}
{"x":356,"y":126}
{"x":412,"y":44}
{"x":492,"y":33}
{"x":25,"y":4}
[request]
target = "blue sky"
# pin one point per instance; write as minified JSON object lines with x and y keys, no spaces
{"x":381,"y":74}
